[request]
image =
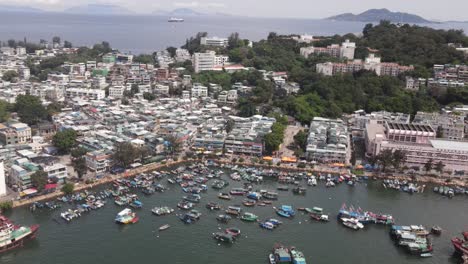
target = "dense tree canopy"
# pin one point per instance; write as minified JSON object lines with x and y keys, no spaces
{"x":30,"y":109}
{"x":64,"y":140}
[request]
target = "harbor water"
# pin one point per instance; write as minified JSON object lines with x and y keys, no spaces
{"x":95,"y":238}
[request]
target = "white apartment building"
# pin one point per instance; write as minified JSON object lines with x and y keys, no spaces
{"x":199,"y":90}
{"x":3,"y":190}
{"x":161,"y":89}
{"x":214,"y":41}
{"x":347,"y":50}
{"x":23,"y":132}
{"x":57,"y":171}
{"x":207,"y":61}
{"x":116,"y":91}
{"x":94,"y":94}
{"x":182,"y":55}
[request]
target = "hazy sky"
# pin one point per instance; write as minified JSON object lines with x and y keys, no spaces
{"x":431,"y":9}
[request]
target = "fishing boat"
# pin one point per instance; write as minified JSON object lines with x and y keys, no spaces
{"x":297,"y":256}
{"x":237,"y":191}
{"x":270,"y":195}
{"x":136,"y":204}
{"x":13,"y":236}
{"x":126,"y":216}
{"x":234,"y":231}
{"x":184,"y":205}
{"x":223,"y":218}
{"x":282,"y":254}
{"x":164,"y":227}
{"x":267,"y":225}
{"x":299,"y":190}
{"x":436,"y":230}
{"x":162,"y":210}
{"x":312,"y":181}
{"x":249,"y":203}
{"x":213,"y":206}
{"x":254,"y":196}
{"x":271,"y":259}
{"x":194,"y":198}
{"x":283,"y":188}
{"x":249,"y":217}
{"x":285,"y":211}
{"x":224,"y":196}
{"x":352,"y":223}
{"x":223,"y":237}
{"x":461,"y":244}
{"x":234,"y":210}
{"x":219,"y":184}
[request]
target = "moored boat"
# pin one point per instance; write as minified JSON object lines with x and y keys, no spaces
{"x":461,"y":244}
{"x":164,"y":227}
{"x":224,"y":196}
{"x":13,"y":236}
{"x":162,"y":210}
{"x":352,"y":223}
{"x":249,"y":217}
{"x":126,"y":216}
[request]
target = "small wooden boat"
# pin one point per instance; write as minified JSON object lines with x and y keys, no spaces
{"x":164,"y":227}
{"x":436,"y":230}
{"x":426,"y":255}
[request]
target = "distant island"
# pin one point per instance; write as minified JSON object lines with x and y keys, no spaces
{"x":375,"y":15}
{"x":24,"y":9}
{"x":178,"y":12}
{"x":99,"y":9}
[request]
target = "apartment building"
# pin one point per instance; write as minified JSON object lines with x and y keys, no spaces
{"x":214,"y":41}
{"x":346,"y":50}
{"x":328,"y":141}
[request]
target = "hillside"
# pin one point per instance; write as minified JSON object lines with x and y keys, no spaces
{"x":375,"y":15}
{"x":99,"y":9}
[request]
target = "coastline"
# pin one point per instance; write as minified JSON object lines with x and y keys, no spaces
{"x":158,"y":166}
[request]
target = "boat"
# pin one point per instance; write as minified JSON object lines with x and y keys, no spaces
{"x":184,"y":205}
{"x":223,"y":218}
{"x":436,"y":230}
{"x":461,"y":244}
{"x":312,"y":181}
{"x":282,"y":188}
{"x":234,"y":231}
{"x":254,"y":196}
{"x":164,"y":227}
{"x":223,"y":237}
{"x":282,"y":254}
{"x":271,"y":259}
{"x":175,"y":19}
{"x":13,"y":236}
{"x":162,"y":210}
{"x":219,"y":184}
{"x":352,"y":223}
{"x":126,"y":216}
{"x":194,"y":198}
{"x":317,"y":214}
{"x":285,"y":211}
{"x":213,"y":206}
{"x":224,"y":196}
{"x":297,"y":256}
{"x":249,"y":203}
{"x":234,"y":210}
{"x":136,"y":204}
{"x":270,"y":195}
{"x":191,"y":217}
{"x":237,"y":191}
{"x":267,"y":225}
{"x":299,"y":190}
{"x":249,"y":217}
{"x":426,"y":255}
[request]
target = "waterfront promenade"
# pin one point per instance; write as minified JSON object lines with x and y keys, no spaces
{"x":286,"y":167}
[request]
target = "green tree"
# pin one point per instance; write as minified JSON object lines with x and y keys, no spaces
{"x":399,"y":157}
{"x":10,"y":76}
{"x":64,"y":140}
{"x":173,"y":145}
{"x":5,"y":108}
{"x":145,"y":59}
{"x":30,"y":109}
{"x":385,"y":158}
{"x":78,"y":161}
{"x":39,"y":179}
{"x":439,"y":167}
{"x":300,"y":140}
{"x":125,"y":153}
{"x":149,"y":96}
{"x":67,"y":44}
{"x":172,"y":51}
{"x":134,"y":89}
{"x":429,"y":165}
{"x":68,"y":188}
